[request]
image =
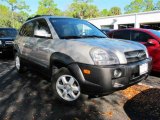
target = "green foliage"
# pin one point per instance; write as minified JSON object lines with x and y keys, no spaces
{"x":4,"y":16}
{"x":48,"y":7}
{"x":17,"y":5}
{"x":81,"y":9}
{"x":139,"y":6}
{"x":157,"y":6}
{"x":148,"y":5}
{"x":15,"y":15}
{"x":104,"y":13}
{"x":115,"y":11}
{"x":134,"y":7}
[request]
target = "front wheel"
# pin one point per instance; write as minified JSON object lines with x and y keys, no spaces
{"x":66,"y":87}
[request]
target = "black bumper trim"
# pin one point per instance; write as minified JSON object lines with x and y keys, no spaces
{"x":101,"y":80}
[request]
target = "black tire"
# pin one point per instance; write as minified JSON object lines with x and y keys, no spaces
{"x":21,"y":68}
{"x":56,"y":79}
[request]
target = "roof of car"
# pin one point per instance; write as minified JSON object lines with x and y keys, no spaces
{"x":137,"y":29}
{"x":7,"y":28}
{"x":47,"y":16}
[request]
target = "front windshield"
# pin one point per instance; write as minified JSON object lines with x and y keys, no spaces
{"x":157,"y":33}
{"x":5,"y":32}
{"x":68,"y":28}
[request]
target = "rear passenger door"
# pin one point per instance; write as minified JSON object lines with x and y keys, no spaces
{"x":26,"y":38}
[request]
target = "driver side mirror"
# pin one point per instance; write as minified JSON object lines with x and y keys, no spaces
{"x":153,"y":42}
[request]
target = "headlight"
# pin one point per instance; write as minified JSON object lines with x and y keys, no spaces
{"x":147,"y":55}
{"x":103,"y":57}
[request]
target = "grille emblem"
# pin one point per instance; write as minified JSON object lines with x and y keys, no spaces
{"x":140,"y":54}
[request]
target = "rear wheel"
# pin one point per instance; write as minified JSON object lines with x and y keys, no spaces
{"x":18,"y":64}
{"x":66,"y":87}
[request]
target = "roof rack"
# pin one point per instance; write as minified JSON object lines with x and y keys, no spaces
{"x":37,"y":16}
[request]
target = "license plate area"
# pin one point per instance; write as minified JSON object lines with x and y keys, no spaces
{"x":143,"y":68}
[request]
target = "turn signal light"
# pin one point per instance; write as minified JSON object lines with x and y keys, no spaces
{"x":86,"y":71}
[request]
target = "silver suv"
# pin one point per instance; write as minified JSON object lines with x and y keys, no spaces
{"x":78,"y":57}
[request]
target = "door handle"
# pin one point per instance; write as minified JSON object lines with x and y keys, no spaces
{"x":44,"y":49}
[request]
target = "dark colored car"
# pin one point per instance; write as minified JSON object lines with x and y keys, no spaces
{"x":106,"y":31}
{"x":7,"y":36}
{"x":148,"y":37}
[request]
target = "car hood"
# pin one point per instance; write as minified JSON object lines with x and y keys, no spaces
{"x":113,"y":44}
{"x":7,"y":38}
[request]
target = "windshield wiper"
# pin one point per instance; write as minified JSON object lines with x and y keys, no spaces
{"x":93,"y":36}
{"x":83,"y":36}
{"x":71,"y":37}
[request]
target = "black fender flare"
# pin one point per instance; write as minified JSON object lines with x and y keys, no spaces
{"x":74,"y":68}
{"x":60,"y":57}
{"x":16,"y":48}
{"x":68,"y":62}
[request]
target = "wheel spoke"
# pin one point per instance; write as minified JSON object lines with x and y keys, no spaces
{"x":64,"y":94}
{"x":75,"y":89}
{"x":64,"y":80}
{"x":17,"y":63}
{"x":71,"y":81}
{"x":72,"y":94}
{"x":60,"y":86}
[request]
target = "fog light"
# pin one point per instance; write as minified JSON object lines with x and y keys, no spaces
{"x":117,"y":73}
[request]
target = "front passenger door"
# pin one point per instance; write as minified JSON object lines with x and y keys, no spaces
{"x":41,"y":52}
{"x":141,"y":37}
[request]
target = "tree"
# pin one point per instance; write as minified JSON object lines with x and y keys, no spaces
{"x":115,"y":11}
{"x":82,"y":9}
{"x":157,"y":6}
{"x":134,"y":7}
{"x":92,"y":11}
{"x":5,"y":16}
{"x":48,"y":7}
{"x":139,"y":6}
{"x":148,"y":5}
{"x":104,"y":13}
{"x":84,"y":1}
{"x":16,"y":5}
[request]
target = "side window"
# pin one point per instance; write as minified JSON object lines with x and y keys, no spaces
{"x":27,"y":29}
{"x":41,"y":29}
{"x":140,"y":36}
{"x":123,"y":34}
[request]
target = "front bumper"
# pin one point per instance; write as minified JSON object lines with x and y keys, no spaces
{"x":101,"y":80}
{"x":6,"y":48}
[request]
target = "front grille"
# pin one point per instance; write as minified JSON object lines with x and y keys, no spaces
{"x":8,"y":42}
{"x":134,"y":56}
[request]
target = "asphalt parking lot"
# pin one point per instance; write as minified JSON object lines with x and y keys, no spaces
{"x":29,"y":97}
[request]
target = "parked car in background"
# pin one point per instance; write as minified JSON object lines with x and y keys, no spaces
{"x":7,"y":36}
{"x":106,"y":30}
{"x":148,"y":37}
{"x":78,"y":57}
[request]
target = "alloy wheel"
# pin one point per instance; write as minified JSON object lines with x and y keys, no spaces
{"x":68,"y":87}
